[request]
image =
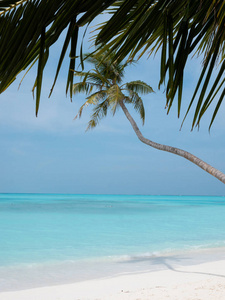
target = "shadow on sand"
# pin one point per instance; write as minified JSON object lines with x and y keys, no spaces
{"x":173,"y":263}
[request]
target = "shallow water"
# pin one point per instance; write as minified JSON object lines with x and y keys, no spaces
{"x":75,"y":237}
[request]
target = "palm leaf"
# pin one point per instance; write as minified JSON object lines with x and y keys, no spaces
{"x":114,"y":97}
{"x":72,"y":60}
{"x":24,"y":22}
{"x":82,"y":87}
{"x":70,"y":33}
{"x":100,"y":111}
{"x":41,"y":64}
{"x":94,"y":77}
{"x":183,"y":27}
{"x":92,"y":100}
{"x":139,"y":86}
{"x":217,"y":107}
{"x":138,"y":104}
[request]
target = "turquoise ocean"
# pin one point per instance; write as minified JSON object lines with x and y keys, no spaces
{"x":54,"y":238}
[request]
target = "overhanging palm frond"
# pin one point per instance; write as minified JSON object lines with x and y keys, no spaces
{"x":179,"y":28}
{"x":29,"y":28}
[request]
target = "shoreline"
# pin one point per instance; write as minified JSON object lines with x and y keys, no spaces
{"x":205,"y":281}
{"x":31,"y":276}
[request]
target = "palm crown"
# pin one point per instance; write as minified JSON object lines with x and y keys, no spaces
{"x":105,"y":90}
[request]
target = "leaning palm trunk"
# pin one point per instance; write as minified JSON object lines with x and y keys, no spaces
{"x":197,"y":161}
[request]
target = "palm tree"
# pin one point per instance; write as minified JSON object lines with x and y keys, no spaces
{"x":179,"y":29}
{"x":105,"y":91}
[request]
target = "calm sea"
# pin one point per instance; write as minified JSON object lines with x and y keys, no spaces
{"x":78,"y":236}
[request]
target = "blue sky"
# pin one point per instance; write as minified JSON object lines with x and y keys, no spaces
{"x":54,"y":154}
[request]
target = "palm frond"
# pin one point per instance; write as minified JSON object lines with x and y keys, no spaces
{"x":115,"y":96}
{"x":91,"y":100}
{"x":139,"y":86}
{"x":82,"y":87}
{"x":98,"y":96}
{"x":8,"y":5}
{"x":177,"y":28}
{"x":22,"y":24}
{"x":105,"y":64}
{"x":138,"y":104}
{"x":94,"y":77}
{"x":100,"y":111}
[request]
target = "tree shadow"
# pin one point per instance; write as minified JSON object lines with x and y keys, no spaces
{"x":173,"y":263}
{"x":170,"y":267}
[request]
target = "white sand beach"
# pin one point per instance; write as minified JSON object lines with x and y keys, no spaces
{"x":204,"y":281}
